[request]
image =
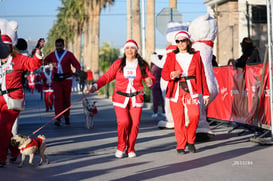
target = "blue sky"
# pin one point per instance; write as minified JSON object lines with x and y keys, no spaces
{"x":36,"y":17}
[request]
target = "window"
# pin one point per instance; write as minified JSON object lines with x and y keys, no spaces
{"x":259,"y":14}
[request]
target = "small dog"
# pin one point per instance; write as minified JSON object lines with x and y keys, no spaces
{"x":89,"y":111}
{"x":29,"y":146}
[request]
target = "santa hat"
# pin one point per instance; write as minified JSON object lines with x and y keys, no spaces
{"x":131,"y":43}
{"x":6,"y":39}
{"x":183,"y":34}
{"x":9,"y":31}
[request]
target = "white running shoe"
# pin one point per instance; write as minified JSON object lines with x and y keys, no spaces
{"x":154,"y":115}
{"x":132,"y":155}
{"x":118,"y":154}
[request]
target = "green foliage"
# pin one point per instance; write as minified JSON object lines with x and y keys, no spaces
{"x":147,"y":92}
{"x":107,"y":55}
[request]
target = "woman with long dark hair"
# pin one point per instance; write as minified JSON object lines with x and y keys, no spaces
{"x":186,"y":79}
{"x":129,"y":72}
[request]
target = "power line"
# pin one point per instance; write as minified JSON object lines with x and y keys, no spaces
{"x":109,"y":14}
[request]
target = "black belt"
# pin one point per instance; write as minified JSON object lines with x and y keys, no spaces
{"x":187,"y":77}
{"x":129,"y":94}
{"x":8,"y":91}
{"x":183,"y":83}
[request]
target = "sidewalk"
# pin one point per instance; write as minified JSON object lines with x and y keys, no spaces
{"x":76,"y":153}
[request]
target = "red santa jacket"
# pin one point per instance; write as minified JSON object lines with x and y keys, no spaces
{"x":122,"y":84}
{"x":196,"y":69}
{"x":14,"y":71}
{"x":66,"y":61}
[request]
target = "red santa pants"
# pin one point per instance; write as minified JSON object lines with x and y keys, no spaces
{"x":185,"y":134}
{"x":128,"y":119}
{"x":7,"y":119}
{"x":48,"y":99}
{"x":62,"y":96}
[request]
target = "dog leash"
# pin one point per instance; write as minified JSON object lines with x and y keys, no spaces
{"x":37,"y":130}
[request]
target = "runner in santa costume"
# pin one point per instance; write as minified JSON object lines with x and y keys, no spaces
{"x":38,"y":83}
{"x":31,"y":81}
{"x":46,"y":78}
{"x":61,"y":61}
{"x":128,"y":99}
{"x":12,"y":93}
{"x":184,"y":72}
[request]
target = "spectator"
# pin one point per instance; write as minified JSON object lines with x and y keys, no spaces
{"x":214,"y":62}
{"x":250,"y":54}
{"x":62,"y":60}
{"x":82,"y":82}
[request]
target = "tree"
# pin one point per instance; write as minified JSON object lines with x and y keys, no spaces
{"x":68,"y":26}
{"x":107,"y":55}
{"x":93,"y":13}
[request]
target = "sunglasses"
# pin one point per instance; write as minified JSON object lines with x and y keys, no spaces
{"x":183,"y":40}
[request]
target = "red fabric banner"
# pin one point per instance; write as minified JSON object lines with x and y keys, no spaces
{"x":239,"y":95}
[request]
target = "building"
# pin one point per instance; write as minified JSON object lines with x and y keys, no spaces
{"x":238,"y":19}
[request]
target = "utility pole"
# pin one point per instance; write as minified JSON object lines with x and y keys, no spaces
{"x":143,"y":29}
{"x":248,"y":19}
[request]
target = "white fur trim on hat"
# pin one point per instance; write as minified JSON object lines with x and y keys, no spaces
{"x":183,"y":34}
{"x":131,"y":43}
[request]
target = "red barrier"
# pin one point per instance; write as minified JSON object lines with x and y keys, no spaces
{"x":239,"y":96}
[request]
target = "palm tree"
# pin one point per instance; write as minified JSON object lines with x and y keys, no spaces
{"x":68,"y":26}
{"x":150,"y":29}
{"x":59,"y":29}
{"x":75,"y":18}
{"x":93,"y":13}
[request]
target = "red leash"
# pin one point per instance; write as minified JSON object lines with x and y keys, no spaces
{"x":34,"y":132}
